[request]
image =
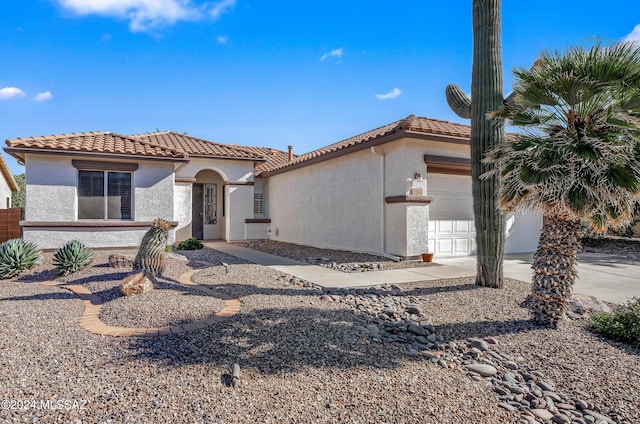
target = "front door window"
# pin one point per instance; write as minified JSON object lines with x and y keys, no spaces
{"x":210,"y":204}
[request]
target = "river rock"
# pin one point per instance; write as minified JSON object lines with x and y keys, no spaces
{"x":484,"y":370}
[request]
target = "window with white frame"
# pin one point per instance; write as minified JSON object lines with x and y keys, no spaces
{"x":259,"y":200}
{"x":104,"y":195}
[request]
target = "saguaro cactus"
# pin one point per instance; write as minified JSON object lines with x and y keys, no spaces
{"x":486,"y":96}
{"x":150,"y":256}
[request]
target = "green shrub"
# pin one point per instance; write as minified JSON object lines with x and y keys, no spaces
{"x":622,"y":324}
{"x":16,"y":255}
{"x":72,"y":257}
{"x":191,"y":243}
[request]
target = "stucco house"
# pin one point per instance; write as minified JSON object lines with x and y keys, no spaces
{"x":399,"y":190}
{"x":8,"y":185}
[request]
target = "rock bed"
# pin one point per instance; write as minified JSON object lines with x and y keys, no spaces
{"x":340,"y":260}
{"x":168,"y":304}
{"x":314,"y":356}
{"x":400,"y":320}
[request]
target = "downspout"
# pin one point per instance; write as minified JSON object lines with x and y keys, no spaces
{"x":382,"y":208}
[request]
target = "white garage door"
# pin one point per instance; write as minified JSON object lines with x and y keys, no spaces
{"x":451,"y":228}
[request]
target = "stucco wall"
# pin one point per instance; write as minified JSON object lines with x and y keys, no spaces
{"x":239,"y":208}
{"x":52,"y":238}
{"x":5,"y":193}
{"x":336,"y":203}
{"x":182,"y":210}
{"x":51,"y":187}
{"x":256,"y":231}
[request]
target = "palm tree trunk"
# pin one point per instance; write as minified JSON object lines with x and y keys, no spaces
{"x":554,"y":266}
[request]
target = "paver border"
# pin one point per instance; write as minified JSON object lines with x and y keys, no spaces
{"x":90,"y":321}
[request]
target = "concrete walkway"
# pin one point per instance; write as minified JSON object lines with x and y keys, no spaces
{"x":608,"y":277}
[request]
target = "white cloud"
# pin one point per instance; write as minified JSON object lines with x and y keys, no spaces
{"x":633,"y":35}
{"x":11,"y":93}
{"x":222,"y":39}
{"x":218,"y":9}
{"x":43,"y":97}
{"x":335,"y":53}
{"x":393,"y":94}
{"x":145,"y":15}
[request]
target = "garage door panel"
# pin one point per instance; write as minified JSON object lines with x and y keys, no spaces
{"x":462,"y":246}
{"x":444,"y":245}
{"x":451,"y":215}
{"x":444,"y":226}
{"x":462,"y":226}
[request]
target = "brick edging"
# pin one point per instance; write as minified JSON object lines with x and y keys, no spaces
{"x":90,"y":321}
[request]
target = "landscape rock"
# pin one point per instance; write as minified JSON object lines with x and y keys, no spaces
{"x":484,"y":370}
{"x":136,"y":283}
{"x":120,"y":261}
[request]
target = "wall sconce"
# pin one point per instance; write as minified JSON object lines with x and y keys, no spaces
{"x":417,"y":176}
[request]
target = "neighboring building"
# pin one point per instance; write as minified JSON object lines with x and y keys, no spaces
{"x":401,"y":190}
{"x":8,"y":185}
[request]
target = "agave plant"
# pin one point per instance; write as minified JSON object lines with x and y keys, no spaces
{"x":578,"y":160}
{"x":16,"y":255}
{"x":72,"y":257}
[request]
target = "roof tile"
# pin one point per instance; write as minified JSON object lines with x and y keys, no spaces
{"x":409,"y":124}
{"x":199,"y":147}
{"x":96,"y":142}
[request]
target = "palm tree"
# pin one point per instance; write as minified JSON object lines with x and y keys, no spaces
{"x":578,"y":159}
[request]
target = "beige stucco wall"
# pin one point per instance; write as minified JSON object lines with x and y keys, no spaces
{"x":52,"y":238}
{"x":336,"y":203}
{"x":182,"y":210}
{"x":51,"y":190}
{"x":339,"y":203}
{"x":5,"y":193}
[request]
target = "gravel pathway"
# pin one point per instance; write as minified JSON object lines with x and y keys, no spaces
{"x":415,"y":353}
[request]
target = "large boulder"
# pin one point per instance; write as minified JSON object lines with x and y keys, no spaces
{"x":136,"y":283}
{"x":581,"y":305}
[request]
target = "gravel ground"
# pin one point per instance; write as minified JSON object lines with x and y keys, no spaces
{"x":306,"y":356}
{"x":340,"y":260}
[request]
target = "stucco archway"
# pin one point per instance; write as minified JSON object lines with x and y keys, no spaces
{"x":207,"y":206}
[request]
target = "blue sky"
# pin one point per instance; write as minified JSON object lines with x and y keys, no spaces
{"x":267,"y":73}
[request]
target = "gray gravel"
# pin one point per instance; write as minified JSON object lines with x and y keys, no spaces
{"x":305,"y":355}
{"x":340,"y":260}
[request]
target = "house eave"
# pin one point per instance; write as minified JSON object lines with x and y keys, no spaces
{"x":19,"y":154}
{"x":366,"y":145}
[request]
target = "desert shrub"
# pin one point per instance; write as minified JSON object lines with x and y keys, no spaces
{"x":72,"y":257}
{"x":191,"y":243}
{"x":16,"y":255}
{"x":622,"y":323}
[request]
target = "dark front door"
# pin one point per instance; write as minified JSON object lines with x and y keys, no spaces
{"x":196,"y":212}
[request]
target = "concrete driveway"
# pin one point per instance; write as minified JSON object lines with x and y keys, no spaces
{"x":610,"y":278}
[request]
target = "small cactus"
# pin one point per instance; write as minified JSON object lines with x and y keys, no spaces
{"x":151,"y":257}
{"x":16,"y":255}
{"x":72,"y":257}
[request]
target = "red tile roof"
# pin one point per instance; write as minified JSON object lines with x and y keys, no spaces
{"x":198,"y":147}
{"x":92,"y":142}
{"x":171,"y":145}
{"x":407,"y":126}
